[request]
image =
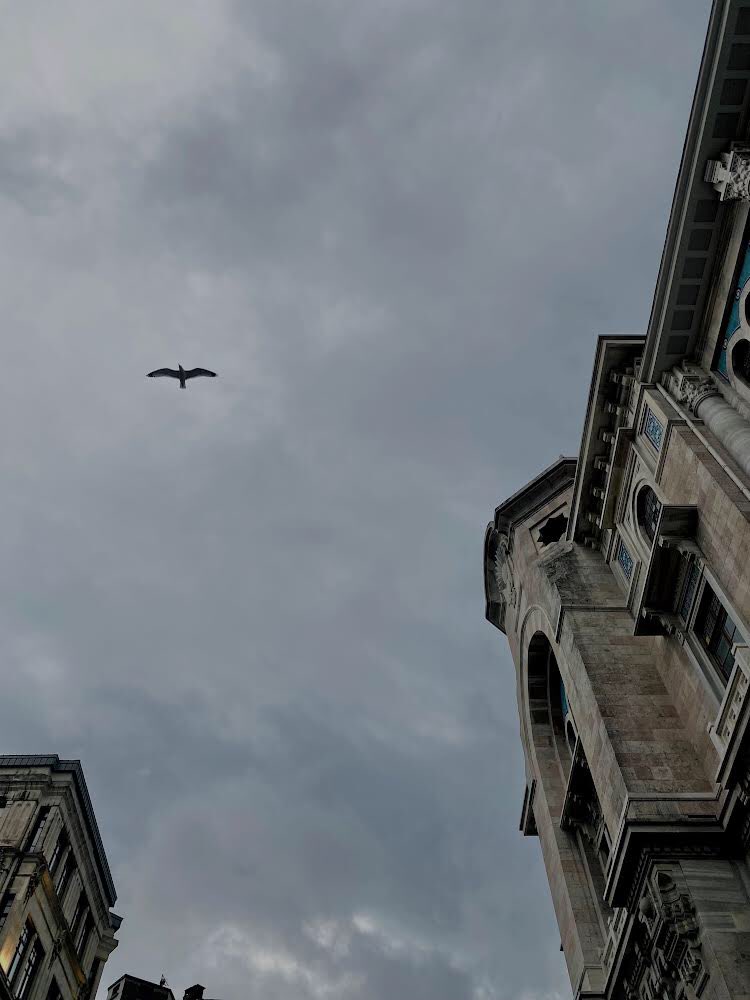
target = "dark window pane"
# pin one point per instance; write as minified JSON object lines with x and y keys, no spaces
{"x":21,"y":947}
{"x":37,"y":834}
{"x":717,"y":632}
{"x":57,"y":853}
{"x":5,"y":908}
{"x":29,"y":970}
{"x":649,"y":511}
{"x":688,"y":591}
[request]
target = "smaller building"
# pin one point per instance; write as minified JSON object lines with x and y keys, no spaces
{"x":57,"y":928}
{"x":133,"y":988}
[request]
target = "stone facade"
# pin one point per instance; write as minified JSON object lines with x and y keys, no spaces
{"x":57,"y":928}
{"x":621,"y":578}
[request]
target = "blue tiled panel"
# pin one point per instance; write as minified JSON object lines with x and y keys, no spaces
{"x":653,"y":430}
{"x":733,"y":322}
{"x":625,"y":560}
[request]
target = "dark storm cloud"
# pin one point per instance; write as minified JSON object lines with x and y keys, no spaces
{"x":254,"y":608}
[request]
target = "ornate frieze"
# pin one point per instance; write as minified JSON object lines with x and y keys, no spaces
{"x":667,"y":961}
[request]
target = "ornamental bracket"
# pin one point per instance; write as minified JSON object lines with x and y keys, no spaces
{"x":730,"y":174}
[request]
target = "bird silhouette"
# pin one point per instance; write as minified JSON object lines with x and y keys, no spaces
{"x":181,"y":373}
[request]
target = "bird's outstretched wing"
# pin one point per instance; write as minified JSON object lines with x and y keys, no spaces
{"x":195,"y":372}
{"x":164,"y":371}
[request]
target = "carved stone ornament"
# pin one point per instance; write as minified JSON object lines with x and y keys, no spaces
{"x":690,"y":385}
{"x":730,"y":175}
{"x":55,"y":950}
{"x":504,"y":573}
{"x":33,"y":884}
{"x":669,"y":962}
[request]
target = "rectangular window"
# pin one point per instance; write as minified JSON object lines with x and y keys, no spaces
{"x":688,"y":590}
{"x":5,"y":908}
{"x":79,"y":916}
{"x":87,"y":925}
{"x":66,"y":874}
{"x":625,"y":559}
{"x":22,"y":946}
{"x":653,"y":429}
{"x":37,"y":834}
{"x":29,"y":968}
{"x":58,"y":851}
{"x":717,"y":632}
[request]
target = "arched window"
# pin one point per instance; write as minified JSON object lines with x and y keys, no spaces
{"x":741,"y":360}
{"x":560,"y":766}
{"x":548,"y":703}
{"x":649,"y":510}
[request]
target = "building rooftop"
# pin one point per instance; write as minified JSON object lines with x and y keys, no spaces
{"x":72,"y":767}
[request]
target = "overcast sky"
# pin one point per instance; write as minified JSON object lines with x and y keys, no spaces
{"x":254,"y":609}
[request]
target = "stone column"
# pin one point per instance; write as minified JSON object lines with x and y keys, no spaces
{"x":692,"y":387}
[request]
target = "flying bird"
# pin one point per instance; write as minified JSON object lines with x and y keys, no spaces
{"x":181,"y":373}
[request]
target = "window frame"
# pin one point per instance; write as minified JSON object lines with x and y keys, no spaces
{"x":6,"y":905}
{"x":650,"y":416}
{"x":28,"y":967}
{"x":36,"y":835}
{"x":58,"y":851}
{"x":713,"y":611}
{"x":67,"y":872}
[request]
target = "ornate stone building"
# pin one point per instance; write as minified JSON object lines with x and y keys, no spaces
{"x":56,"y":926}
{"x":621,"y":579}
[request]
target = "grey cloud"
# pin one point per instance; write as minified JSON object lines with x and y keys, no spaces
{"x":254,"y":609}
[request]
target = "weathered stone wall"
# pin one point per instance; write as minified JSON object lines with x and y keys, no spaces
{"x":691,"y":475}
{"x":696,"y":703}
{"x":635,"y":738}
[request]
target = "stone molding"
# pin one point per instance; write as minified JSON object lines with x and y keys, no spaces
{"x":723,"y":730}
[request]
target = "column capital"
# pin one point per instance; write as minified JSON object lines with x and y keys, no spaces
{"x":730,"y":174}
{"x":690,"y":385}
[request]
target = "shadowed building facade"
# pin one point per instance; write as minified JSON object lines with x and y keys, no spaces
{"x":621,"y":578}
{"x":56,"y":926}
{"x":132,"y":988}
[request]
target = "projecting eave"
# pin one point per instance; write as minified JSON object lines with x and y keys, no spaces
{"x":534,"y":494}
{"x":699,"y":223}
{"x":606,"y":412}
{"x":521,"y":505}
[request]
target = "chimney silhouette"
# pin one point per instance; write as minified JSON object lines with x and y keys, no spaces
{"x":194,"y":992}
